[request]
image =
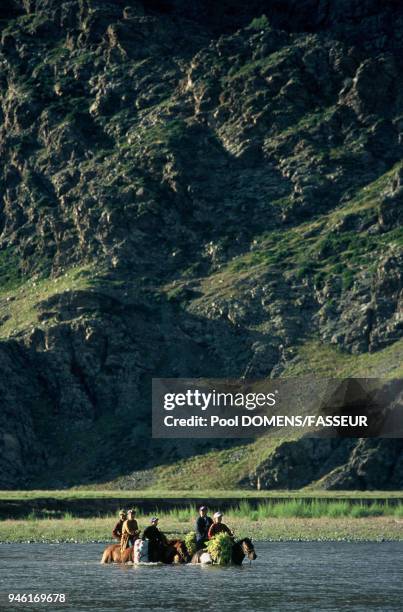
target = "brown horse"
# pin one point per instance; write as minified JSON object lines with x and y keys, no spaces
{"x":171,"y":551}
{"x":240,"y":550}
{"x":128,"y":555}
{"x":175,"y":551}
{"x":112,"y":554}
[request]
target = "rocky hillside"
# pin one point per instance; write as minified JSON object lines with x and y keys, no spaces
{"x":194,"y":189}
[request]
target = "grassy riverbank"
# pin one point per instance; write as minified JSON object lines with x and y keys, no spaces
{"x":291,"y":520}
{"x":235,"y":494}
{"x":98,"y":529}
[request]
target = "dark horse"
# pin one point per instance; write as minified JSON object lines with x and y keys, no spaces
{"x":174,"y":551}
{"x":240,"y":550}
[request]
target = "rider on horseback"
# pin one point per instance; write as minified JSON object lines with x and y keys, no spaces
{"x":130,"y":531}
{"x":117,"y":530}
{"x":157,"y":540}
{"x":203,"y":524}
{"x":218,"y":527}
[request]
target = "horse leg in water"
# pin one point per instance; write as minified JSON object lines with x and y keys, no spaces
{"x":168,"y":555}
{"x":128,"y":555}
{"x":111,"y":554}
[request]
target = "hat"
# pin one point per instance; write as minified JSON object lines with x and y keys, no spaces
{"x":217,"y":514}
{"x":203,"y":508}
{"x":154,"y":519}
{"x":133,"y":510}
{"x":122,"y":512}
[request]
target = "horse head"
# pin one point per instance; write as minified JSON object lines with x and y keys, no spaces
{"x":248,"y":549}
{"x":181,"y":552}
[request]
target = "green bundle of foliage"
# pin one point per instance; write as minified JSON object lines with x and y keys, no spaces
{"x":220,"y":548}
{"x":190,"y":542}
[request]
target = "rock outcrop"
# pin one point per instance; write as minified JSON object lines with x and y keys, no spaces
{"x":333,"y":463}
{"x":190,"y":189}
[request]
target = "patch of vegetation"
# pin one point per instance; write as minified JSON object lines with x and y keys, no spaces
{"x":330,"y":362}
{"x":294,"y":508}
{"x":308,"y":122}
{"x":162,"y":135}
{"x":18,"y":304}
{"x":299,"y":508}
{"x":328,"y":247}
{"x":176,"y":294}
{"x":10,"y":270}
{"x":334,"y":525}
{"x":259,"y":23}
{"x":218,"y":468}
{"x":190,"y":542}
{"x":27,"y":24}
{"x":367,"y":198}
{"x":206,"y":494}
{"x":347,"y":278}
{"x":261,"y":64}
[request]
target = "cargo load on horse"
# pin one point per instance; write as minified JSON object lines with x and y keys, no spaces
{"x":222,"y":550}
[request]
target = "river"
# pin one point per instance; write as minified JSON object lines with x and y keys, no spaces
{"x":292,"y":576}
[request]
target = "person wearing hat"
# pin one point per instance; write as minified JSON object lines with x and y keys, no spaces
{"x":130,"y":531}
{"x":202,"y":525}
{"x":117,"y":530}
{"x":218,"y":527}
{"x":157,"y":540}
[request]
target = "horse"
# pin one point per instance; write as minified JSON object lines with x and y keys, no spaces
{"x":112,"y":554}
{"x":168,"y":552}
{"x":174,"y":551}
{"x":240,"y":550}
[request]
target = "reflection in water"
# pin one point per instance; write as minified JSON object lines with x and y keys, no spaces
{"x":292,"y":576}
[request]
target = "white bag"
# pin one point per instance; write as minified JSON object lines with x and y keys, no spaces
{"x":140,"y":551}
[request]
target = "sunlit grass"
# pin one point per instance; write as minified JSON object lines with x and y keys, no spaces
{"x":299,"y":508}
{"x":296,"y":508}
{"x":330,"y":361}
{"x":354,"y":526}
{"x":18,"y":308}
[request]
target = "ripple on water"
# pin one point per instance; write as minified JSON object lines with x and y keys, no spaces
{"x":292,"y":576}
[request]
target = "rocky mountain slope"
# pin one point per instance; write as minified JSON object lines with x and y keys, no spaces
{"x":193,"y":189}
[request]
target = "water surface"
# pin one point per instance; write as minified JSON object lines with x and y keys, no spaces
{"x":292,"y":576}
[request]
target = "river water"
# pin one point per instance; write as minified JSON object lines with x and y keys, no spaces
{"x":300,"y":576}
